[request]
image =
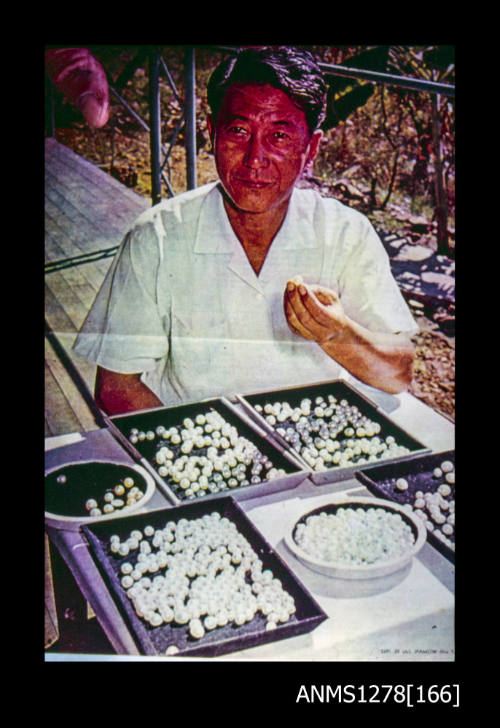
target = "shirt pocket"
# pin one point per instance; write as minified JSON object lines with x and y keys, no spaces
{"x":199,"y":324}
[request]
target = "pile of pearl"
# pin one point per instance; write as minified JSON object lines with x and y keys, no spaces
{"x":330,"y":433}
{"x":355,"y":536}
{"x":436,"y":508}
{"x":123,"y":494}
{"x":200,"y":572}
{"x":206,"y":455}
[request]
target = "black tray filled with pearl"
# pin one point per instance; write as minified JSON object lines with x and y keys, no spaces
{"x":426,"y":485}
{"x":199,"y":580}
{"x":330,"y":428}
{"x":205,"y":450}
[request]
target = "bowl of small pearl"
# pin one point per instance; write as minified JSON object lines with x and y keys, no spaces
{"x":87,"y":491}
{"x":358,"y":543}
{"x":424,"y":486}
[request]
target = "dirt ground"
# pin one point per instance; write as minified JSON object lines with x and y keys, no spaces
{"x":434,"y":370}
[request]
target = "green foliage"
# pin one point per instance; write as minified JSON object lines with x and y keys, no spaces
{"x":345,"y":95}
{"x":341,"y":104}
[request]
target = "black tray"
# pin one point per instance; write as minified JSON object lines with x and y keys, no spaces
{"x":341,"y":390}
{"x":156,"y":640}
{"x":381,"y":481}
{"x":145,"y":450}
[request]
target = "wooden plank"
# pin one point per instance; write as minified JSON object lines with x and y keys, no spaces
{"x":74,"y":221}
{"x":70,"y":391}
{"x":86,"y":211}
{"x":55,"y":314}
{"x":92,"y":272}
{"x":95,"y":198}
{"x":67,"y":298}
{"x":86,"y":370}
{"x":63,"y":241}
{"x":91,"y":172}
{"x":91,"y":189}
{"x":59,"y":416}
{"x":83,"y":279}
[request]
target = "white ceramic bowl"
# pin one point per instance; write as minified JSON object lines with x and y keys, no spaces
{"x":351,"y":572}
{"x":69,"y":486}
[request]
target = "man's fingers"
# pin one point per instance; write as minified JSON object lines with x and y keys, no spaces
{"x":311,"y":309}
{"x":78,"y":75}
{"x":294,"y":322}
{"x":302,"y":322}
{"x":324,"y":296}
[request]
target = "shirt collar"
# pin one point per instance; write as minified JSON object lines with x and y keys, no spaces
{"x":214,"y":233}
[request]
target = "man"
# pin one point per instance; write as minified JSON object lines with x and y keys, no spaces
{"x":249,"y":283}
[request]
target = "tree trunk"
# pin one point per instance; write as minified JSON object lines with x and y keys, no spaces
{"x":393,"y":179}
{"x":441,"y":203}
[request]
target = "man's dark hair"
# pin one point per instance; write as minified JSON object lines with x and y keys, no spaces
{"x":292,"y":70}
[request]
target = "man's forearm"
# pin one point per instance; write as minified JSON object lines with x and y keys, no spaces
{"x":384,"y":361}
{"x":118,"y":393}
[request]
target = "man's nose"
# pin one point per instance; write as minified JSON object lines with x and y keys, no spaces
{"x":256,"y":156}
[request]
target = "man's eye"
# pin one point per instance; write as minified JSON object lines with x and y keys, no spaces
{"x":238,"y":130}
{"x":281,"y":136}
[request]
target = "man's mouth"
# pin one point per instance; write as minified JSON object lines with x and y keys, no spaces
{"x":253,"y":184}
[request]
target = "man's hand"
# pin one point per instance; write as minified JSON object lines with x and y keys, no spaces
{"x":79,"y":76}
{"x":313,"y":312}
{"x":383,"y":360}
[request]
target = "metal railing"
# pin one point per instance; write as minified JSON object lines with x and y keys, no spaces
{"x":152,"y":56}
{"x":331,"y":69}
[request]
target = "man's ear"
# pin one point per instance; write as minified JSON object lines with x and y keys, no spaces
{"x":211,"y":127}
{"x":314,"y":146}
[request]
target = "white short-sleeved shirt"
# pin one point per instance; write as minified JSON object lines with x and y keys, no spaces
{"x":182,"y":304}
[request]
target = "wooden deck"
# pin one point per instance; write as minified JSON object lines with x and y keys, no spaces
{"x":87,"y":212}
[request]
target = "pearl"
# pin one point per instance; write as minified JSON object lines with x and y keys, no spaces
{"x":155,"y":619}
{"x":444,"y":490}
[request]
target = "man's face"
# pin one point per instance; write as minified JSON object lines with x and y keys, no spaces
{"x":261,"y":144}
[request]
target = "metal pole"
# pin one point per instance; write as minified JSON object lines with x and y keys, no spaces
{"x":154,"y":123}
{"x":331,"y":69}
{"x":190,"y":111}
